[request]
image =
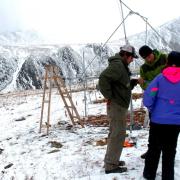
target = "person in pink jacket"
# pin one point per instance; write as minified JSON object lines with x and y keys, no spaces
{"x":162,"y":98}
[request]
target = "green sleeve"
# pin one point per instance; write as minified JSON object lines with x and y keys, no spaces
{"x":150,"y":75}
{"x":145,"y":84}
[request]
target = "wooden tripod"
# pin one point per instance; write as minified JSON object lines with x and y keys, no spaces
{"x":52,"y":74}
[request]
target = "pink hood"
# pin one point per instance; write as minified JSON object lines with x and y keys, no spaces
{"x":172,"y":74}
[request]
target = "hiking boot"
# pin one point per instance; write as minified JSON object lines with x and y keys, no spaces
{"x":117,"y":170}
{"x":121,"y":163}
{"x":143,"y":156}
{"x":148,"y":176}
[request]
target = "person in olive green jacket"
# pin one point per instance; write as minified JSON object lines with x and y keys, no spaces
{"x":115,"y":85}
{"x":155,"y":62}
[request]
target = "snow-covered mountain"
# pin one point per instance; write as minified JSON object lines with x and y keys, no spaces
{"x":165,"y":37}
{"x":22,"y":65}
{"x":20,"y":38}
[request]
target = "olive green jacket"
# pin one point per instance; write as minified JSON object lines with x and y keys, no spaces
{"x":114,"y":81}
{"x":149,"y":71}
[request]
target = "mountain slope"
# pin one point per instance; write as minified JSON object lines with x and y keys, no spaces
{"x":23,"y":66}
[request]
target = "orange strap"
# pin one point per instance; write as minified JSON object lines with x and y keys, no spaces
{"x":128,"y":144}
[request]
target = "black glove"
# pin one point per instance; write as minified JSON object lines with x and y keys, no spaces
{"x":133,"y":82}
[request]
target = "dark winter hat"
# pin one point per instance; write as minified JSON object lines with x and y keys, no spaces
{"x":174,"y":58}
{"x":145,"y":51}
{"x":130,"y":49}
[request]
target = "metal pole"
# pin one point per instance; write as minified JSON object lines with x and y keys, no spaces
{"x":100,"y":59}
{"x":146,"y":31}
{"x":122,"y":14}
{"x":131,"y":116}
{"x":84,"y":83}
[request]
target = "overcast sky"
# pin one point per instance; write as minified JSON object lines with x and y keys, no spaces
{"x":81,"y":21}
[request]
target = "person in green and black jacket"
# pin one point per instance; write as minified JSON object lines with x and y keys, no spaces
{"x":155,"y":62}
{"x":115,"y":85}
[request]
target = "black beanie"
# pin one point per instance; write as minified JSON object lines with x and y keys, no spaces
{"x":174,"y":58}
{"x":145,"y":51}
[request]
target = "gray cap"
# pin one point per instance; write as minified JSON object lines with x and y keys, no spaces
{"x":130,"y":49}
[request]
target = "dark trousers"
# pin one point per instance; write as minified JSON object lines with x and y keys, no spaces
{"x":162,"y":138}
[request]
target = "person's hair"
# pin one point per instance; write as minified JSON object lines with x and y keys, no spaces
{"x":173,"y":59}
{"x":145,"y":51}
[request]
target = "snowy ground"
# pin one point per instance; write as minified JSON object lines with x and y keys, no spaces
{"x":67,"y":152}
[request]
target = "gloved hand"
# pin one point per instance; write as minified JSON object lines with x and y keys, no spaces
{"x":133,"y":82}
{"x":141,"y":80}
{"x":108,"y":102}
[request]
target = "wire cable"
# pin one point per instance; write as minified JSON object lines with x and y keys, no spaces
{"x":105,"y":44}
